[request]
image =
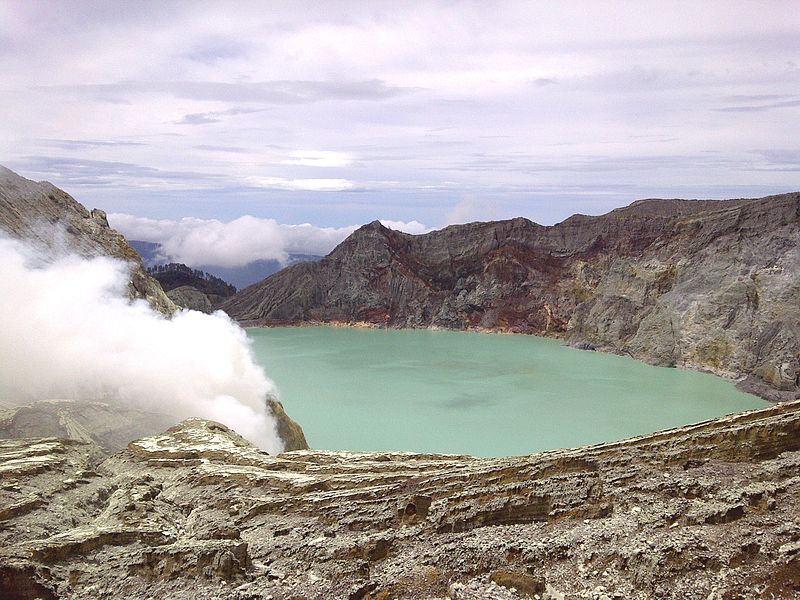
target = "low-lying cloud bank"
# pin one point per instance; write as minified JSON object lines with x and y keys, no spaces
{"x":239,"y":242}
{"x":69,"y":331}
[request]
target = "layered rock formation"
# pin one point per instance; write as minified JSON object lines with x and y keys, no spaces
{"x":53,"y":222}
{"x":705,"y":511}
{"x":111,"y":426}
{"x":712,"y":285}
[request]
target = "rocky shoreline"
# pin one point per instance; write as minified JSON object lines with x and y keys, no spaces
{"x":749,"y":385}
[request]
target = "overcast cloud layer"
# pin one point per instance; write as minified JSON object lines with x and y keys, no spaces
{"x":339,"y":113}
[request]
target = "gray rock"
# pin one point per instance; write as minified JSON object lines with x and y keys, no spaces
{"x":289,"y":430}
{"x":189,"y":297}
{"x":109,"y":426}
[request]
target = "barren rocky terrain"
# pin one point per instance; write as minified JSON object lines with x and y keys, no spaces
{"x":710,"y":511}
{"x":54,"y":223}
{"x":710,"y":285}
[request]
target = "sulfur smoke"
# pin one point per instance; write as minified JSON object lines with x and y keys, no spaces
{"x":68,"y":330}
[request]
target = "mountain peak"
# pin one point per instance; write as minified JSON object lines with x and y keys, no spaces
{"x":26,"y":205}
{"x":375,"y":225}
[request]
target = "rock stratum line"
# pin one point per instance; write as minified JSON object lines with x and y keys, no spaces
{"x":706,"y":511}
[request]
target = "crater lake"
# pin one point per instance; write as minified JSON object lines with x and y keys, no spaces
{"x":475,"y":393}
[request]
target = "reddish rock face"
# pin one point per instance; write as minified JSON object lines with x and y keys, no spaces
{"x":706,"y":284}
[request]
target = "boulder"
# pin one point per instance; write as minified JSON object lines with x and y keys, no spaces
{"x":289,"y":430}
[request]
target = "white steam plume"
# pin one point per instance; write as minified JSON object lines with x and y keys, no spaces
{"x":239,"y":242}
{"x":69,"y":331}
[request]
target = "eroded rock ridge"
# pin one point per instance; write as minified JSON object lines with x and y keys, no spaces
{"x":54,"y":223}
{"x":706,"y":511}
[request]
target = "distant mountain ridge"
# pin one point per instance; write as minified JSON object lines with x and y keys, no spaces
{"x":148,"y":251}
{"x":240,"y":277}
{"x":173,"y":275}
{"x":707,"y":284}
{"x":255,"y":271}
{"x":191,"y":288}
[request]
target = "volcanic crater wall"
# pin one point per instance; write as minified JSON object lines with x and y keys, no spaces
{"x":712,"y":285}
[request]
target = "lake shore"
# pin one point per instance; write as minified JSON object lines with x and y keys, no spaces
{"x":445,"y":392}
{"x":746,"y":384}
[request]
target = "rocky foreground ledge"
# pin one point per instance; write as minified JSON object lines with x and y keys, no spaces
{"x":708,"y":511}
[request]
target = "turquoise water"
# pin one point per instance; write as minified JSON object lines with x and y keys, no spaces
{"x":473,"y":393}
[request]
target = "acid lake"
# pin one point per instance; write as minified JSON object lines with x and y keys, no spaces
{"x":473,"y":393}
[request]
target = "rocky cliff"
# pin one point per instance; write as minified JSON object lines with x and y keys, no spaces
{"x":709,"y":511}
{"x":53,"y":222}
{"x":713,"y":285}
{"x":53,"y":225}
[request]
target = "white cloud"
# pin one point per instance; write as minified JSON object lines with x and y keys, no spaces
{"x":317,"y":185}
{"x":319,"y":158}
{"x":469,"y":209}
{"x":412,"y":227}
{"x":317,"y":99}
{"x":239,"y":242}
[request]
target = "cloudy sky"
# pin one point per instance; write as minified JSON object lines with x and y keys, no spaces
{"x":335,"y":114}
